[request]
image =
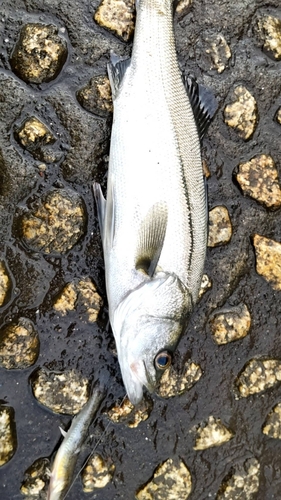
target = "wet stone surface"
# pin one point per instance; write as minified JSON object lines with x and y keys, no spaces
{"x":211,"y":433}
{"x":7,"y":434}
{"x":129,"y":414}
{"x":171,"y":480}
{"x":36,"y":479}
{"x":19,"y":345}
{"x":272,"y":425}
{"x":258,"y":178}
{"x":81,"y":295}
{"x":96,"y":96}
{"x":65,"y":392}
{"x":220,"y":228}
{"x":56,"y":224}
{"x":173,"y":383}
{"x":242,"y":483}
{"x":117,"y":16}
{"x":258,"y":375}
{"x":230,"y":324}
{"x":97,"y":473}
{"x":268,"y":260}
{"x":39,"y":54}
{"x":241,"y":113}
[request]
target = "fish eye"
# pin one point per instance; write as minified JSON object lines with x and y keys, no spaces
{"x":163,"y":360}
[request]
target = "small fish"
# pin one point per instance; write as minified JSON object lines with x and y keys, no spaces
{"x":154,"y":221}
{"x":68,"y":452}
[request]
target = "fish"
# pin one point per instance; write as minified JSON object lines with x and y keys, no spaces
{"x":153,"y":223}
{"x":68,"y":452}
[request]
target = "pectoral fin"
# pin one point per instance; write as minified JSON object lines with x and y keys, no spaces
{"x":203,"y":103}
{"x":101,"y":206}
{"x":63,"y":432}
{"x":116,"y":70}
{"x":151,"y":238}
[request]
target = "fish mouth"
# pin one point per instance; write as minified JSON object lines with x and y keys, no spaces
{"x":135,"y":377}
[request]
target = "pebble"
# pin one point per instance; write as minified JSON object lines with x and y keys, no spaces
{"x":241,"y":113}
{"x":212,"y":433}
{"x":129,"y":414}
{"x":36,"y":478}
{"x":97,"y":473}
{"x":19,"y":345}
{"x":8,"y":441}
{"x":206,"y":283}
{"x":56,"y":223}
{"x":118,"y":16}
{"x":33,"y":134}
{"x":171,"y":481}
{"x":96,"y":96}
{"x":278,"y":115}
{"x":220,"y":228}
{"x":182,"y":6}
{"x":242,"y":483}
{"x":230,"y":324}
{"x":174,"y":383}
{"x":268,"y":32}
{"x":268,"y":260}
{"x":81,"y":294}
{"x":258,"y":178}
{"x":39,"y":54}
{"x":65,"y":392}
{"x":272,"y":425}
{"x":258,"y":375}
{"x":5,"y":283}
{"x":213,"y":52}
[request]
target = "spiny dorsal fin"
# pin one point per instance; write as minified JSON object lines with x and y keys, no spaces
{"x":151,"y":238}
{"x":203,"y":103}
{"x":116,"y":70}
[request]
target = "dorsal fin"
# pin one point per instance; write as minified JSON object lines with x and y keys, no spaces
{"x":116,"y":70}
{"x":203,"y":103}
{"x":151,"y":238}
{"x":101,"y":206}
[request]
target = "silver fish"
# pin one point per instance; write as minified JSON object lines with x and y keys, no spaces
{"x":154,"y":221}
{"x":68,"y":452}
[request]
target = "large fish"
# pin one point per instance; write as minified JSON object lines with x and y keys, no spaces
{"x":154,"y":221}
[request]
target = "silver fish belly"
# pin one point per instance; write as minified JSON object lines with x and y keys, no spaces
{"x":153,"y":224}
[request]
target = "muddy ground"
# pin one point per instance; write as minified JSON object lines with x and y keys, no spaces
{"x":80,"y":156}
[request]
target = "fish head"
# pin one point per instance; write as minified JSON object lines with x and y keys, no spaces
{"x":147,"y":326}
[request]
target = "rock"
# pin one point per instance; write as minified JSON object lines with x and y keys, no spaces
{"x":19,"y":345}
{"x":174,"y":383}
{"x":230,"y":324}
{"x":82,"y":295}
{"x":213,"y":52}
{"x":36,"y":478}
{"x":39,"y":54}
{"x":8,"y":441}
{"x":206,"y":170}
{"x":278,"y":115}
{"x":96,"y":96}
{"x":182,"y":6}
{"x":117,"y":16}
{"x":129,"y":414}
{"x":97,"y":473}
{"x":272,"y":425}
{"x":241,"y":114}
{"x":242,"y":482}
{"x":56,"y":223}
{"x":33,"y":134}
{"x":258,"y":178}
{"x":5,"y":282}
{"x":268,"y":32}
{"x":205,"y":285}
{"x":220,"y":228}
{"x":171,"y":480}
{"x":212,"y":433}
{"x":258,"y":375}
{"x":268,"y":260}
{"x":65,"y":392}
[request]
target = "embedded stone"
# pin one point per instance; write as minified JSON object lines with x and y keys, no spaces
{"x":182,"y":6}
{"x":65,"y":392}
{"x":5,"y":283}
{"x":272,"y":425}
{"x":19,"y":345}
{"x":171,"y":480}
{"x":258,"y":178}
{"x":258,"y":375}
{"x":219,"y":52}
{"x":205,"y":285}
{"x":96,"y":96}
{"x":241,"y":113}
{"x":118,"y":16}
{"x":39,"y":54}
{"x":36,"y":478}
{"x":174,"y":383}
{"x":230,"y":324}
{"x":34,"y":134}
{"x":56,"y":223}
{"x":8,"y":440}
{"x":268,"y":31}
{"x":220,"y":228}
{"x":212,"y":433}
{"x":242,"y":482}
{"x":97,"y":473}
{"x":81,"y":295}
{"x":129,"y":414}
{"x":268,"y":260}
{"x":278,"y":115}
